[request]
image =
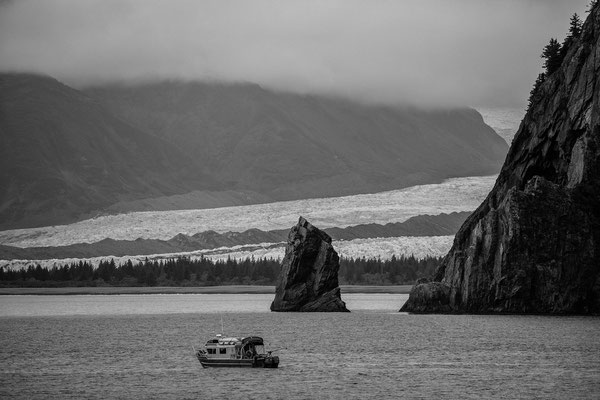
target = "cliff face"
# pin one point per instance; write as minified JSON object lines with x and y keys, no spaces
{"x":533,"y":246}
{"x":308,"y":280}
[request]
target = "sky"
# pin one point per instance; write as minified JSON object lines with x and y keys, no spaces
{"x":481,"y":53}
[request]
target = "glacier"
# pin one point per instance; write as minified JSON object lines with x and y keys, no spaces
{"x":452,"y":195}
{"x":384,"y":248}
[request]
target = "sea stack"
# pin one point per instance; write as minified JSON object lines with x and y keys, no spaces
{"x":533,"y":246}
{"x":308,"y":280}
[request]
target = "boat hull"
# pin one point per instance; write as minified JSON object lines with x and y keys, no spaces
{"x":257,"y":362}
{"x":215,"y":363}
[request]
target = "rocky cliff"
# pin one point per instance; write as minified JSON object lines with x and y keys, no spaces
{"x":533,"y":246}
{"x":308,"y":280}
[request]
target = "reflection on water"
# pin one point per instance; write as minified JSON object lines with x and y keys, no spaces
{"x":373,"y":352}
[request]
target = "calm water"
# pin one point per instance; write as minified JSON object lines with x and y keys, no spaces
{"x":140,"y":346}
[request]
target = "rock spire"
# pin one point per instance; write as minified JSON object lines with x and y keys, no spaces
{"x":308,"y":280}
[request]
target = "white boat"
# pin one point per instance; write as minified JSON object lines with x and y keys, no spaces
{"x":236,"y":352}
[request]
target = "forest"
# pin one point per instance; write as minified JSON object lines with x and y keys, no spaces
{"x":184,"y":271}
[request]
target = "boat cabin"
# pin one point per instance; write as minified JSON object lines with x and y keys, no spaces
{"x":234,"y":347}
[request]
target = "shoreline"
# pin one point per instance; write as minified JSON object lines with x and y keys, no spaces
{"x":234,"y":289}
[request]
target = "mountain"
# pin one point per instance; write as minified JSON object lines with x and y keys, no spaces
{"x":289,"y":146}
{"x":63,"y":156}
{"x":533,"y":246}
{"x":68,"y":154}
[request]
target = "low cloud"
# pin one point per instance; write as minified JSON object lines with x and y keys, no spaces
{"x":438,"y":52}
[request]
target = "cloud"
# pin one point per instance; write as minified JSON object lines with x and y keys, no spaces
{"x":463,"y":52}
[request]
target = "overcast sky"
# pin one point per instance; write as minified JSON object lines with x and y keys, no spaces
{"x":441,"y":52}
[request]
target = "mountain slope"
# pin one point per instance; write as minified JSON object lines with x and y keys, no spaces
{"x":289,"y":146}
{"x":62,"y":155}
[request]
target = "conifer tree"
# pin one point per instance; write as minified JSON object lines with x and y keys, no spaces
{"x":574,"y":33}
{"x":552,"y":56}
{"x":575,"y":26}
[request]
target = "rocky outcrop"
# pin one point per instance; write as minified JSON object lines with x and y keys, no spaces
{"x":308,"y":280}
{"x":429,"y":297}
{"x":533,"y":246}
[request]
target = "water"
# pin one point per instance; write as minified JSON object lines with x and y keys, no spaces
{"x":140,"y":346}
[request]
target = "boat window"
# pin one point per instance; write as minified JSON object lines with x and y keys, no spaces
{"x":223,"y":351}
{"x":211,"y":351}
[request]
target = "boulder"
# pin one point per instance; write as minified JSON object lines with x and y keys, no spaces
{"x":308,"y":280}
{"x":429,"y":297}
{"x":533,"y":246}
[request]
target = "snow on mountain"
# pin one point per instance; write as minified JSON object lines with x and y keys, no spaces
{"x":385,"y":248}
{"x":505,"y":121}
{"x":420,"y":247}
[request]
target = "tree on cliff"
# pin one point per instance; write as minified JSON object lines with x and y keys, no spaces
{"x":535,"y":94}
{"x":574,"y":33}
{"x":575,"y":26}
{"x":552,"y":56}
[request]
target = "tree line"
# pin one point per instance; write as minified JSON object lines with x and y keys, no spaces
{"x":184,"y":271}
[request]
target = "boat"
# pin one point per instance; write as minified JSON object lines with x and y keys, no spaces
{"x":236,"y":352}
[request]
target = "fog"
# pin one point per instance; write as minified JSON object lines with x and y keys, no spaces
{"x":426,"y":52}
